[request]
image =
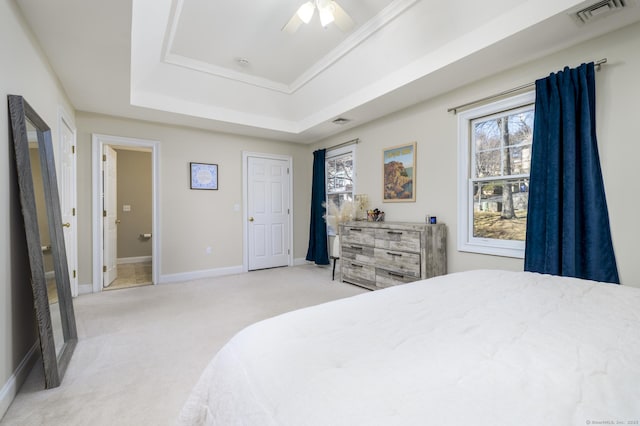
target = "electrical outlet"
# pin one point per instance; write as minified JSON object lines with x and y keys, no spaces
{"x":126,"y":208}
{"x":209,"y":250}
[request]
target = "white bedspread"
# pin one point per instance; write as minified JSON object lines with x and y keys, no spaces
{"x":473,"y":348}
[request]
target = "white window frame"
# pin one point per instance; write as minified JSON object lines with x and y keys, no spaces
{"x":337,"y":152}
{"x":466,"y":241}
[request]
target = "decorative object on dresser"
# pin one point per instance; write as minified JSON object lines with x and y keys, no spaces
{"x":362,"y":206}
{"x":383,"y":254}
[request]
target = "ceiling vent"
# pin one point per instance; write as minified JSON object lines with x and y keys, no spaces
{"x":340,"y":121}
{"x":599,"y":9}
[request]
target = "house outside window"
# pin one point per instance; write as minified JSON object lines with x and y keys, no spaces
{"x":495,"y":143}
{"x":340,"y":168}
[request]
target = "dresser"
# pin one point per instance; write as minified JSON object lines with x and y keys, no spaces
{"x":382,"y":254}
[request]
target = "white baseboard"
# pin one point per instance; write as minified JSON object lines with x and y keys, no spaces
{"x":196,"y":275}
{"x":139,"y":259}
{"x":11,"y":387}
{"x":187,"y":276}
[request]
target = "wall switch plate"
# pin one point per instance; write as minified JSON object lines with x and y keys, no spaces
{"x":126,"y":208}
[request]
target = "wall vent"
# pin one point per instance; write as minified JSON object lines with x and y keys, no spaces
{"x":599,"y":9}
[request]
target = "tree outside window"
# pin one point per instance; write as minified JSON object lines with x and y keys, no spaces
{"x":495,"y":142}
{"x":501,"y":165}
{"x":340,"y":182}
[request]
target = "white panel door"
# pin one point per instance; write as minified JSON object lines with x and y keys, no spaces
{"x":268,"y":210}
{"x":110,"y":215}
{"x":68,"y":197}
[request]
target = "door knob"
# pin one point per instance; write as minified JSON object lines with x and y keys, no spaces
{"x":251,"y":219}
{"x":66,"y":225}
{"x":117,"y":221}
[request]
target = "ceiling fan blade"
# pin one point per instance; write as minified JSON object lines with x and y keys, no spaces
{"x":293,"y":24}
{"x":342,"y":18}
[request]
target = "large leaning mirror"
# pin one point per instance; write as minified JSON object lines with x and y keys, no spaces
{"x":40,"y":202}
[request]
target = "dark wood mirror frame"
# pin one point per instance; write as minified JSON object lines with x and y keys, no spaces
{"x":54,"y":363}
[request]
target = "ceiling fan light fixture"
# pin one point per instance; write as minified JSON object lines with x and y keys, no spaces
{"x":305,"y":12}
{"x":326,"y":14}
{"x":329,"y":11}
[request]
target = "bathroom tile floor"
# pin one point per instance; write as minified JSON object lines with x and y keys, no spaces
{"x":132,"y":275}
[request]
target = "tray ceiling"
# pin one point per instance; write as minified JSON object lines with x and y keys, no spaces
{"x":226,"y":66}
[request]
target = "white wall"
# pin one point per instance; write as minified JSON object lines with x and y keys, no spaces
{"x":191,"y":221}
{"x":435,"y":131}
{"x":24,"y":70}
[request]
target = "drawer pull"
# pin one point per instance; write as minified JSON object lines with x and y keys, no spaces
{"x":355,"y":229}
{"x":394,"y":233}
{"x":393,"y":274}
{"x":356,"y":247}
{"x":356,"y":265}
{"x":394,"y":254}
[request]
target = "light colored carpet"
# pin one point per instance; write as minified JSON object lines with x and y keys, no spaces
{"x":142,"y":349}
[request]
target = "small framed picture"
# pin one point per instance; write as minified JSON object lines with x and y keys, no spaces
{"x":399,"y":171}
{"x":204,"y":176}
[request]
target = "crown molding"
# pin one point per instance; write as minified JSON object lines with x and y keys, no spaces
{"x":386,"y":15}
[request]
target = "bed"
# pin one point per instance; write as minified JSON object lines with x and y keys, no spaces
{"x":477,"y":348}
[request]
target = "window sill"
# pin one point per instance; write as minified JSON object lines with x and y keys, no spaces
{"x":491,"y":250}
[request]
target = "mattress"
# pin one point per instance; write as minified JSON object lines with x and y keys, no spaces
{"x":478,"y":348}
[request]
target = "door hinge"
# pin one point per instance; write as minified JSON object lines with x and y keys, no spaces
{"x":73,"y":149}
{"x":288,"y":211}
{"x":288,"y":251}
{"x":104,"y":268}
{"x":104,"y":213}
{"x":74,"y":273}
{"x":287,"y":170}
{"x":73,"y":211}
{"x":104,"y":157}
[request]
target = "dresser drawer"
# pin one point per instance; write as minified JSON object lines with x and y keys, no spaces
{"x":402,"y":262}
{"x":362,"y":254}
{"x":386,"y":278}
{"x":357,"y":235}
{"x":359,"y":273}
{"x":398,"y":240}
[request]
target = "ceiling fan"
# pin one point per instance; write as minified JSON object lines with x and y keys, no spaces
{"x":328,"y":10}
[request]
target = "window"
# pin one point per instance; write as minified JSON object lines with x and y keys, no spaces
{"x":495,"y":156}
{"x":340,"y":167}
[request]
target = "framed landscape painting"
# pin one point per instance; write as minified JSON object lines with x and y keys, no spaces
{"x":399,"y":171}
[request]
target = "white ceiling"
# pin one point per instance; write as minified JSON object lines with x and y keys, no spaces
{"x":177,"y":61}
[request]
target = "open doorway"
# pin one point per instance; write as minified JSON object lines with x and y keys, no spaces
{"x":125,"y":229}
{"x":127,"y":199}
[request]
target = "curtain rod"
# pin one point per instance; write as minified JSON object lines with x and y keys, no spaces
{"x":455,"y":109}
{"x":340,"y":145}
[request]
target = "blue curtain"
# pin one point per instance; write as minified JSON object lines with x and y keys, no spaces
{"x":317,"y":251}
{"x":568,"y":223}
